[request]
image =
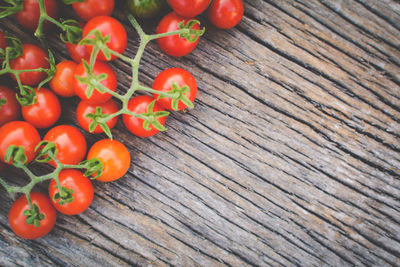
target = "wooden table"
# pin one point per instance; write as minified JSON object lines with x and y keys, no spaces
{"x":290,"y":156}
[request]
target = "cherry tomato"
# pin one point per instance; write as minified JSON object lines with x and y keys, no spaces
{"x":19,"y":133}
{"x":78,"y":52}
{"x":189,"y":8}
{"x":225,"y":14}
{"x":45,"y":112}
{"x":145,"y":9}
{"x":29,"y":16}
{"x":82,"y":191}
{"x":84,"y":108}
{"x":163,"y":82}
{"x":107,"y":26}
{"x":89,"y":9}
{"x":11,"y":110}
{"x":98,"y":68}
{"x":115,"y":157}
{"x":174,"y":45}
{"x":139,"y":105}
{"x":3,"y":41}
{"x":62,"y":82}
{"x":17,"y":219}
{"x":32,"y":57}
{"x":70,"y":142}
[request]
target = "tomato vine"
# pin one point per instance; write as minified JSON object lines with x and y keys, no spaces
{"x":46,"y":150}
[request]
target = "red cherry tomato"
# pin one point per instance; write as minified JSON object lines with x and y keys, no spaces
{"x":70,"y":142}
{"x":3,"y":41}
{"x":89,"y":9}
{"x":163,"y":82}
{"x":11,"y":110}
{"x":115,"y":157}
{"x":17,"y":219}
{"x":84,"y":108}
{"x":174,"y":45}
{"x":98,"y":68}
{"x":82,"y":191}
{"x":107,"y":26}
{"x":62,"y":82}
{"x":29,"y":16}
{"x":19,"y":133}
{"x":32,"y":57}
{"x":78,"y":52}
{"x":139,"y":105}
{"x":45,"y":112}
{"x":225,"y":14}
{"x":189,"y":8}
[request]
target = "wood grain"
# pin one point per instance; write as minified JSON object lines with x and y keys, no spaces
{"x":289,"y":158}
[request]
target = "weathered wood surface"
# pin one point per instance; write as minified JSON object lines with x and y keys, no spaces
{"x":290,"y":157}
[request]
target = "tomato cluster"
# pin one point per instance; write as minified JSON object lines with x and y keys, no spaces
{"x":90,"y":76}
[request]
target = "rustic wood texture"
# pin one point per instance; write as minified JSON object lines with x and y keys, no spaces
{"x":290,"y":156}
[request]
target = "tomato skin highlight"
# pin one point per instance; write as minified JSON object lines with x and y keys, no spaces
{"x":82,"y":191}
{"x":62,"y":82}
{"x":19,"y":133}
{"x":32,"y":57}
{"x":225,"y":14}
{"x":139,"y":105}
{"x":45,"y":112}
{"x":11,"y":110}
{"x":174,"y":45}
{"x":89,"y":9}
{"x":98,"y":68}
{"x":115,"y":157}
{"x":16,"y":217}
{"x":29,"y":16}
{"x":163,"y":83}
{"x":107,"y":26}
{"x":189,"y":8}
{"x":70,"y":143}
{"x":84,"y":108}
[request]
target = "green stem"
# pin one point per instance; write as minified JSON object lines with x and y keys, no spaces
{"x":43,"y":17}
{"x":160,"y":35}
{"x":28,"y":198}
{"x":151,"y":90}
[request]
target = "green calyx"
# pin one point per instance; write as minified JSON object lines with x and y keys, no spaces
{"x":98,"y":119}
{"x":13,"y":49}
{"x":73,"y":31}
{"x":64,"y":196}
{"x":51,"y":71}
{"x":93,"y":167}
{"x":27,"y":96}
{"x":3,"y":101}
{"x":48,"y":151}
{"x":13,"y":7}
{"x":178,"y":93}
{"x":192,"y":34}
{"x":91,"y":80}
{"x":33,"y":216}
{"x":150,"y":117}
{"x":16,"y":154}
{"x":96,"y":39}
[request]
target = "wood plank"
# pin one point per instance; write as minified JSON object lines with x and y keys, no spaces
{"x":290,"y":157}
